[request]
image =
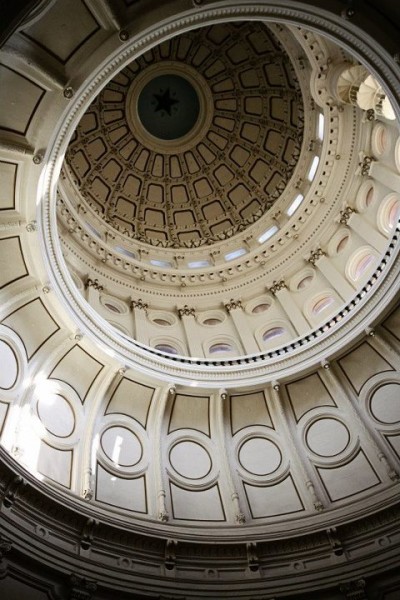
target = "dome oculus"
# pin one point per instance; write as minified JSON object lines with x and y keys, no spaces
{"x":168,"y":106}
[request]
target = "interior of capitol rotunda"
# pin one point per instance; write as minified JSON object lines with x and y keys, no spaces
{"x":199,"y":331}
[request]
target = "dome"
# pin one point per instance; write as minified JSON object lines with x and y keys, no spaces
{"x":199,"y":335}
{"x":193,"y":141}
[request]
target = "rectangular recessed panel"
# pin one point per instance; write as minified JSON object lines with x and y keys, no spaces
{"x":392,"y":323}
{"x":54,"y":464}
{"x":24,"y":321}
{"x":3,"y":415}
{"x":19,"y":99}
{"x":8,"y":179}
{"x":394,"y":441}
{"x":363,"y":363}
{"x":345,"y":481}
{"x":129,"y":494}
{"x":190,"y":412}
{"x":196,"y":505}
{"x":248,"y":410}
{"x":12,"y":261}
{"x":63,"y":29}
{"x":79,"y":369}
{"x":132,"y":399}
{"x":308,"y":393}
{"x":274,"y":500}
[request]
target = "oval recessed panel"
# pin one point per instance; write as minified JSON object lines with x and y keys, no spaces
{"x":190,"y":460}
{"x":385,"y":403}
{"x":327,"y":437}
{"x":56,"y":414}
{"x":259,"y":456}
{"x":9,"y":366}
{"x":121,"y":446}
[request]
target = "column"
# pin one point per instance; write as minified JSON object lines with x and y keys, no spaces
{"x":93,"y":289}
{"x":235,"y":310}
{"x":156,"y":423}
{"x":293,"y":312}
{"x":140,"y":315}
{"x":339,"y":283}
{"x":386,"y":176}
{"x":187,"y":316}
{"x":296,"y":452}
{"x":365,"y":230}
{"x":230,"y":484}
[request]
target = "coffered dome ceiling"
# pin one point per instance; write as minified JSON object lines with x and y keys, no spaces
{"x":194,"y":140}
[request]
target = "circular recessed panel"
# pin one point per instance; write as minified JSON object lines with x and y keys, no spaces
{"x":259,"y":456}
{"x":385,"y":405}
{"x":9,"y":366}
{"x":121,"y":446}
{"x":327,"y":437}
{"x":190,"y":460}
{"x":56,"y":414}
{"x":168,"y":106}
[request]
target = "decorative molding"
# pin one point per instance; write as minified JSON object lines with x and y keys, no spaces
{"x":335,"y":541}
{"x":10,"y":493}
{"x":5,"y":547}
{"x":87,"y":534}
{"x":252,"y":557}
{"x":31,"y":226}
{"x":170,"y":554}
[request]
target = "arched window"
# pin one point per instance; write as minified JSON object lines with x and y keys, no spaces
{"x":272,"y":333}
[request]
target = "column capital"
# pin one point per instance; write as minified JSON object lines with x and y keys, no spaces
{"x":233,"y":304}
{"x":186,"y":311}
{"x":94,"y":283}
{"x":345,"y":215}
{"x":315,"y":256}
{"x":139,"y":304}
{"x":365,"y":165}
{"x":277,"y":286}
